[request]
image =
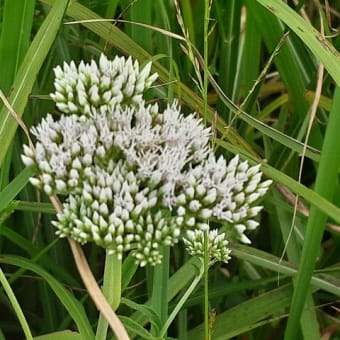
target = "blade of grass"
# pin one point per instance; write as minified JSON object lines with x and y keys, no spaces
{"x":183,"y":299}
{"x":188,"y":18}
{"x":310,"y":326}
{"x":144,"y":309}
{"x":141,"y":11}
{"x":136,"y":328}
{"x":111,"y":8}
{"x":319,"y":46}
{"x":27,"y":73}
{"x":14,"y":40}
{"x":287,"y":61}
{"x":36,"y":254}
{"x":267,"y":130}
{"x":40,"y":207}
{"x":12,"y":189}
{"x":309,"y":323}
{"x":65,"y":335}
{"x":15,"y":36}
{"x":15,"y":304}
{"x":73,"y":306}
{"x":251,"y":55}
{"x":248,"y":315}
{"x":324,"y":185}
{"x":228,"y":19}
{"x":265,"y":260}
{"x":160,"y":288}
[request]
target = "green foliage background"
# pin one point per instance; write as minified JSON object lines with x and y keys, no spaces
{"x":256,"y":108}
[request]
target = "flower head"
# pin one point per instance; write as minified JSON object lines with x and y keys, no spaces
{"x":217,"y":245}
{"x":134,"y":177}
{"x":89,"y":87}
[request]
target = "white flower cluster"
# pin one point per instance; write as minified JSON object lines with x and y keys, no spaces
{"x":225,"y":192}
{"x":217,"y":245}
{"x":134,"y":177}
{"x":118,"y":212}
{"x":85,"y":88}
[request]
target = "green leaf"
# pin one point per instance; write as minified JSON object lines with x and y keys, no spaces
{"x":17,"y":18}
{"x":15,"y":305}
{"x":248,"y":315}
{"x":134,"y":327}
{"x":27,"y":73}
{"x":64,"y":335}
{"x":13,"y":188}
{"x":320,"y":47}
{"x":72,"y":305}
{"x":327,"y":175}
{"x":265,"y":260}
{"x":146,"y":310}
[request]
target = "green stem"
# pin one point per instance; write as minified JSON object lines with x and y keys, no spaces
{"x":15,"y":305}
{"x":112,"y":288}
{"x":181,"y":302}
{"x":206,"y":286}
{"x":207,"y":4}
{"x":159,"y":298}
{"x":205,"y":57}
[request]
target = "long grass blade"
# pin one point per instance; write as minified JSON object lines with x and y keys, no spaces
{"x":317,"y":43}
{"x":27,"y":73}
{"x":326,"y":177}
{"x":15,"y":37}
{"x":248,"y":315}
{"x":14,"y":302}
{"x":13,"y":188}
{"x":73,"y":306}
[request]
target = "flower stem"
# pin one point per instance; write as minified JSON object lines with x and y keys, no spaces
{"x":206,"y":286}
{"x":111,"y":289}
{"x":159,"y":298}
{"x":181,"y":302}
{"x":207,"y":7}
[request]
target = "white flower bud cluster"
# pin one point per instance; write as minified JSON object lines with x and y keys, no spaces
{"x":224,"y":192}
{"x":115,"y":212}
{"x":88,"y":87}
{"x":63,"y":152}
{"x":217,"y":245}
{"x":135,"y":178}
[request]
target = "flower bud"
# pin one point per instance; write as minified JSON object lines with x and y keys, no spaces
{"x":28,"y":161}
